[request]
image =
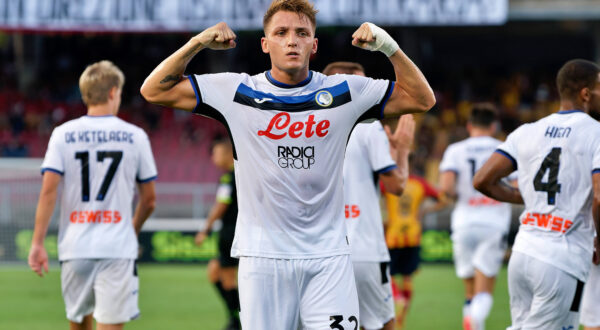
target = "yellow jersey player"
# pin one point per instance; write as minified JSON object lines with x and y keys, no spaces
{"x":403,"y":237}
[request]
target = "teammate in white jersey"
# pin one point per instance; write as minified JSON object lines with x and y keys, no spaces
{"x":558,"y":163}
{"x":289,"y":128}
{"x":479,"y":224}
{"x":369,"y":161}
{"x":98,"y":159}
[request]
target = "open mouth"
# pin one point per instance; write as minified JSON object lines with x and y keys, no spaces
{"x":292,"y":54}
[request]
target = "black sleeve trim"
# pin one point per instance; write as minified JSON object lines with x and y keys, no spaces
{"x":376,"y":111}
{"x":507,"y":155}
{"x":206,"y":110}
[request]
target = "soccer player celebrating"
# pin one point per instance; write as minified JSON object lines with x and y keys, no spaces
{"x":289,"y":128}
{"x":98,"y":158}
{"x":558,"y":163}
{"x":479,"y":224}
{"x":368,"y":152}
{"x":222,"y":272}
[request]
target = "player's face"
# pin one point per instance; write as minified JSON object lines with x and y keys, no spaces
{"x":594,"y":103}
{"x":222,"y":156}
{"x":290,"y":41}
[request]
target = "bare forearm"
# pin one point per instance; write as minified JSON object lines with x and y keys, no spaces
{"x":43,"y":215}
{"x":402,"y":163}
{"x":216,"y":212}
{"x":170,"y":71}
{"x":411,"y":80}
{"x":142,"y":213}
{"x":501,"y":191}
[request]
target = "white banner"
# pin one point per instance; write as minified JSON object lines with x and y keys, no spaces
{"x":195,"y":15}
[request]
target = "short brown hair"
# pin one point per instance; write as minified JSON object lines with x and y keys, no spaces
{"x":343,"y":67}
{"x":97,"y":80}
{"x":483,"y":115}
{"x":576,"y":75}
{"x":301,"y":7}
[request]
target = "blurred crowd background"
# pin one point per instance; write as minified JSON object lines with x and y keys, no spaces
{"x":512,"y":66}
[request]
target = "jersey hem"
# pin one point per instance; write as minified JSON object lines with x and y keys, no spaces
{"x":507,"y":155}
{"x":50,"y":169}
{"x":455,"y":171}
{"x":94,"y":257}
{"x":387,"y":95}
{"x":387,"y":169}
{"x":274,"y":255}
{"x":373,"y":260}
{"x":152,"y":178}
{"x":566,"y":269}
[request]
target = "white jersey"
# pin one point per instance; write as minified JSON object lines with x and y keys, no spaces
{"x":472,"y":207}
{"x":367,"y":155}
{"x":100,"y":159}
{"x":289,"y":144}
{"x":556,"y":157}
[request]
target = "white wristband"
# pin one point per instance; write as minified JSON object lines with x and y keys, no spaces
{"x":383,"y":41}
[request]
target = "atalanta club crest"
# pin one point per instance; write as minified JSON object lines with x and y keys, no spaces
{"x":324,"y":98}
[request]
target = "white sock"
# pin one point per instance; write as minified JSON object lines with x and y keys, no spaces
{"x":480,"y":308}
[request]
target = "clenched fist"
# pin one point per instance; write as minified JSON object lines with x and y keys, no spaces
{"x":371,"y":37}
{"x":217,"y":37}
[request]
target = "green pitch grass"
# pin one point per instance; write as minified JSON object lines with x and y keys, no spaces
{"x":180,"y":297}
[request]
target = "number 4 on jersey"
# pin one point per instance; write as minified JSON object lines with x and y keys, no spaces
{"x":552,"y":187}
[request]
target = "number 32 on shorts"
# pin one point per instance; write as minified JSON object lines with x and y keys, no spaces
{"x":337,"y":320}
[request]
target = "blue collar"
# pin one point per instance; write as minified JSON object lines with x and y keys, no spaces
{"x":566,"y":112}
{"x":282,"y":85}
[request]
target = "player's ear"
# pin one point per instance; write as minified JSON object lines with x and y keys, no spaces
{"x":314,"y":47}
{"x":113,"y":93}
{"x":469,"y":127}
{"x":585,"y":94}
{"x":264,"y":45}
{"x":495,"y":127}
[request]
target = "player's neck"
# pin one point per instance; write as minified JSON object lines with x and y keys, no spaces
{"x":566,"y":105}
{"x":289,"y":77}
{"x":100,"y":110}
{"x":477,"y":132}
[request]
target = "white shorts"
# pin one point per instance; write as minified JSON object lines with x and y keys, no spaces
{"x":286,"y":293}
{"x":480,"y":248}
{"x":106,"y":287}
{"x":541,"y":295}
{"x":375,"y":300}
{"x":590,"y":304}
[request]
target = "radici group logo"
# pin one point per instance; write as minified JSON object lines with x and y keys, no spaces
{"x":296,"y":157}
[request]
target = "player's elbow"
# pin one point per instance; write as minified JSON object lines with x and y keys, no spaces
{"x":150,"y":94}
{"x":427,"y":100}
{"x":394,"y":185}
{"x":148,"y":201}
{"x":596,"y":200}
{"x":480,"y":182}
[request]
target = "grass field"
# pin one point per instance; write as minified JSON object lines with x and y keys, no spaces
{"x":180,"y":297}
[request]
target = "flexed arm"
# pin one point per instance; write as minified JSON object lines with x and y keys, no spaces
{"x":166,"y":84}
{"x":412,"y":93}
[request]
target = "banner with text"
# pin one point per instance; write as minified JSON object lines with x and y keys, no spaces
{"x":196,"y":15}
